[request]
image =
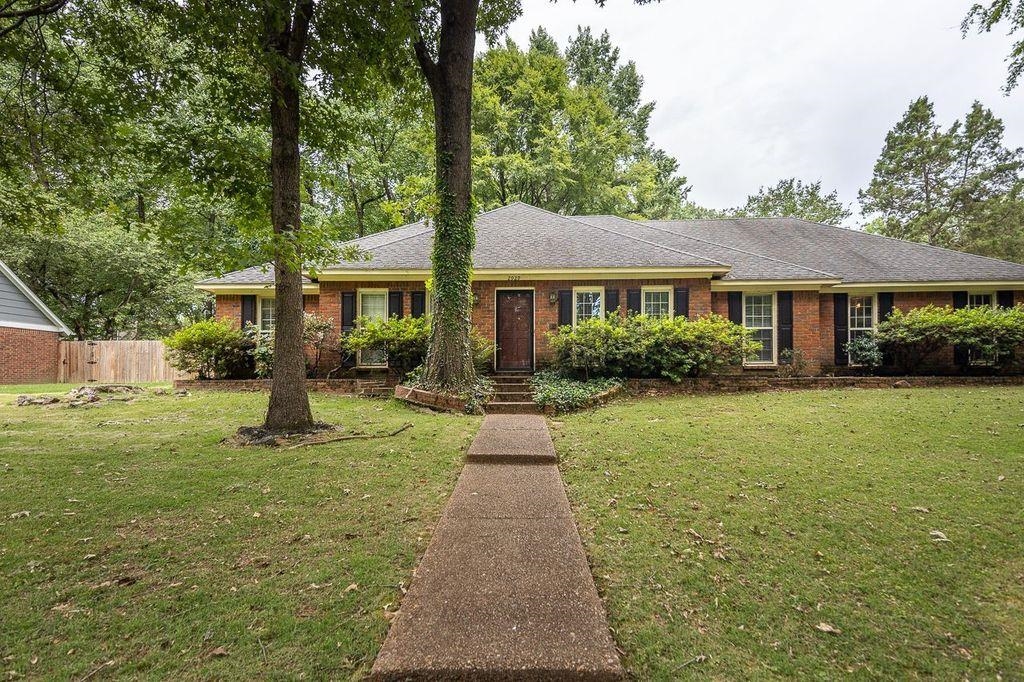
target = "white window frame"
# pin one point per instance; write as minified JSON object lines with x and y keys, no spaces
{"x":775,"y":329}
{"x":849,"y":320}
{"x":259,"y":314}
{"x":588,"y":290}
{"x":991,"y":298}
{"x":359,"y":316}
{"x":643,"y":299}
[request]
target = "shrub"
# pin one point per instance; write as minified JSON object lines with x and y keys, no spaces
{"x":992,"y":335}
{"x":792,"y":363}
{"x":404,"y":340}
{"x":865,"y":352}
{"x":566,"y":394}
{"x":913,"y":337}
{"x":211,"y":349}
{"x":317,"y":333}
{"x":639,"y":346}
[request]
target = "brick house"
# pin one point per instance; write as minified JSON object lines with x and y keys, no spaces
{"x":801,"y":287}
{"x":29,"y":334}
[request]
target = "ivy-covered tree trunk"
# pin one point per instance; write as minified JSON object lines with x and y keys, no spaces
{"x":449,"y":365}
{"x":289,"y":403}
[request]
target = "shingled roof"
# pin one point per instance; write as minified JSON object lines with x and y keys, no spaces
{"x":526,"y":238}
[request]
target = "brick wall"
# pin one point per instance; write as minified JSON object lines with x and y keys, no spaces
{"x":807,"y":328}
{"x":28,"y":356}
{"x":228,"y":308}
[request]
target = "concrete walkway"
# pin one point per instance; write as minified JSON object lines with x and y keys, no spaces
{"x":504,"y":590}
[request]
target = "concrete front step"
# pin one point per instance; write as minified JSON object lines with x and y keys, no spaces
{"x":498,"y":407}
{"x":513,"y":396}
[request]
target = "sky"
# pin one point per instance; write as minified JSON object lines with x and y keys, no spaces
{"x":749,"y":92}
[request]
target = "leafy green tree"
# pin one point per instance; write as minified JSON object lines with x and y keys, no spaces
{"x":140,"y":292}
{"x":958,"y":188}
{"x":793,"y":198}
{"x":985,"y":17}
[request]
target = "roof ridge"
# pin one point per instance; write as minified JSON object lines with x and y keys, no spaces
{"x":907,"y":241}
{"x":749,"y":253}
{"x":426,"y":228}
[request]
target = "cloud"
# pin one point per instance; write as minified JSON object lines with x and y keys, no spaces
{"x":750,"y":92}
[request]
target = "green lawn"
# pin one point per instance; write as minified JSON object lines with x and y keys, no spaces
{"x":723,"y":530}
{"x":150,"y":546}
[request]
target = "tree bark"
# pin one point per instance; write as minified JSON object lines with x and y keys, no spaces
{"x":288,"y":409}
{"x":449,"y":364}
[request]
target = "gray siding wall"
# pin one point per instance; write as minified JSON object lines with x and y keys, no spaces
{"x":16,"y":307}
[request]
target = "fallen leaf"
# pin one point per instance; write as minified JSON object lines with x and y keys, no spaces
{"x":826,"y":627}
{"x":938,"y":536}
{"x":21,"y":515}
{"x":923,"y":510}
{"x":352,"y":588}
{"x":1001,"y":478}
{"x":219,"y":651}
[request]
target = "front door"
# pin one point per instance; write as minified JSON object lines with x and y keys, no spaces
{"x":514,"y":330}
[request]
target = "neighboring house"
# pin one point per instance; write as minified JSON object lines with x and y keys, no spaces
{"x":801,"y":286}
{"x":29,"y":334}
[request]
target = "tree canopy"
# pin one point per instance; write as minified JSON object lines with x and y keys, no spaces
{"x":793,"y":198}
{"x":958,"y":187}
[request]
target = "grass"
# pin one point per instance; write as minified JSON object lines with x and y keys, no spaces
{"x":150,"y":550}
{"x":48,"y":389}
{"x":724,"y":530}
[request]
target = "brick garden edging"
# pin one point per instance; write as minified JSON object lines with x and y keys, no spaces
{"x":435,"y":401}
{"x":744,"y":383}
{"x":362,"y":387}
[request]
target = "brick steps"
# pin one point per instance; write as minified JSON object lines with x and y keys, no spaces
{"x":513,"y":394}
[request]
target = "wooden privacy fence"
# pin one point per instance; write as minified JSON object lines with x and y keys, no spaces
{"x":123,"y":362}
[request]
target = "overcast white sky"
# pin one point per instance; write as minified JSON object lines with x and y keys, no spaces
{"x":749,"y":92}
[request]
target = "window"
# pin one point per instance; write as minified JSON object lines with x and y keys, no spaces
{"x":589,"y":304}
{"x":266,"y":315}
{"x":657,"y":301}
{"x":759,"y":316}
{"x":979,"y":300}
{"x":372,"y":304}
{"x":862,"y":316}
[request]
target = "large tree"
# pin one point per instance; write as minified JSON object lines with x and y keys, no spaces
{"x":792,"y":198}
{"x":568,"y":135}
{"x":959,"y":187}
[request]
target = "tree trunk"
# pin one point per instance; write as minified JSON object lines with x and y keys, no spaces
{"x":449,"y":365}
{"x":289,"y":403}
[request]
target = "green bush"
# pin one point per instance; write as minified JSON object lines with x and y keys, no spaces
{"x":211,"y":349}
{"x":404,"y":340}
{"x":865,"y":352}
{"x":640,"y":346}
{"x":567,"y":394}
{"x":317,"y":332}
{"x":994,"y":335}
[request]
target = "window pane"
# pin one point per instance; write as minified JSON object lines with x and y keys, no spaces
{"x":266,"y":314}
{"x":759,"y":311}
{"x":588,"y":305}
{"x":979,"y":300}
{"x":862,"y":314}
{"x":764,"y":337}
{"x":374,"y":305}
{"x":656,"y":303}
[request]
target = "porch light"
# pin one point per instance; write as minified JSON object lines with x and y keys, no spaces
{"x":553,"y":297}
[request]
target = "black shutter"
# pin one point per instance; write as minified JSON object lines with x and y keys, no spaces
{"x":564,"y":307}
{"x":611,"y":298}
{"x":1004,"y":299}
{"x":395,"y":304}
{"x":633,"y":301}
{"x":348,"y":311}
{"x":886,"y":303}
{"x":841,"y":315}
{"x":784,"y":302}
{"x":348,"y":323}
{"x":248,"y":310}
{"x":682,"y":302}
{"x":418,"y":303}
{"x":736,"y":307}
{"x":961,"y":354}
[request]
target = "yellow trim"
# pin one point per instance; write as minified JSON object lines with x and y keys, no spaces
{"x":591,"y":290}
{"x":766,"y":285}
{"x":249,"y":289}
{"x":513,"y":275}
{"x":978,"y":286}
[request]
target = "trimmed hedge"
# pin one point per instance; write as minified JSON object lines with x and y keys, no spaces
{"x":644,"y":347}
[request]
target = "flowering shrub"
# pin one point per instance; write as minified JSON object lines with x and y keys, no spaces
{"x":210,"y":349}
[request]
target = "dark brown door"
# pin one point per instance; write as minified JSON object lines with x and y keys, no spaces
{"x":514,"y":325}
